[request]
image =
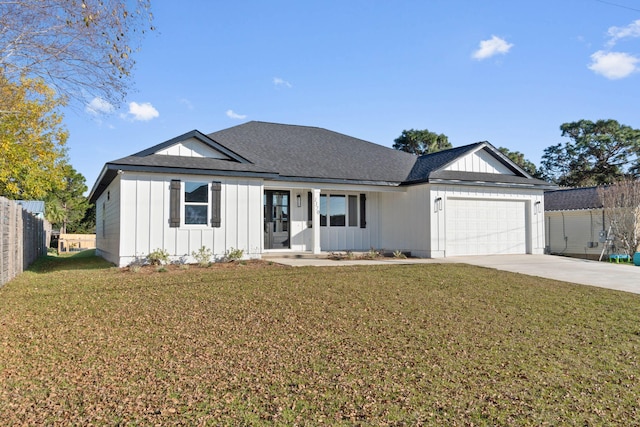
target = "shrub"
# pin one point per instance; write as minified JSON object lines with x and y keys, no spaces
{"x":203,"y":256}
{"x":372,"y":254}
{"x":399,"y":254}
{"x":158,"y":257}
{"x":233,"y":254}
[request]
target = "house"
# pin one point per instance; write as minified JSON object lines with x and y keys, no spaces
{"x":267,"y":187}
{"x":575,"y":223}
{"x":35,"y":207}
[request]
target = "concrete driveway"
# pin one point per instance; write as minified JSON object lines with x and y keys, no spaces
{"x":622,"y":277}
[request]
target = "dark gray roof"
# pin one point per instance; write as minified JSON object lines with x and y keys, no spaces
{"x":311,"y":152}
{"x":572,"y":199}
{"x":303,"y":153}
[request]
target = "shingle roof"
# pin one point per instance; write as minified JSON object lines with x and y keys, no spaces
{"x":311,"y":152}
{"x":303,"y":153}
{"x":572,"y":199}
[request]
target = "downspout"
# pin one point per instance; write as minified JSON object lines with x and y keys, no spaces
{"x":564,"y":235}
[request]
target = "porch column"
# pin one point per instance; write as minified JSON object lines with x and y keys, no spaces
{"x":315,"y":220}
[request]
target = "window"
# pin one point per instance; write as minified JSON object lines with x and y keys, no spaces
{"x":337,"y":211}
{"x":342,"y":210}
{"x":323,"y":210}
{"x":196,"y":203}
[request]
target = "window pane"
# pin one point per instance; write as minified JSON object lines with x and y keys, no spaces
{"x":353,"y":211}
{"x":196,"y":192}
{"x":337,"y":211}
{"x":323,"y":210}
{"x":195,"y":214}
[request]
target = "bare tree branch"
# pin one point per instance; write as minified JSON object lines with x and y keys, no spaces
{"x":79,"y":47}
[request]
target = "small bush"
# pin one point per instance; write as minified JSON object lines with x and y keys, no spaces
{"x":372,"y":254}
{"x":203,"y":256}
{"x":233,"y":254}
{"x":158,"y":257}
{"x":399,"y":254}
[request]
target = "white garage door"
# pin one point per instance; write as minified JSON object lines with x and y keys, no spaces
{"x":484,"y":227}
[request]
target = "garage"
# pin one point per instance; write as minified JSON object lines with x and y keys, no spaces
{"x":485,"y":226}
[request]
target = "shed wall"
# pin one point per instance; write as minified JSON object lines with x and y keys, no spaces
{"x":575,"y":233}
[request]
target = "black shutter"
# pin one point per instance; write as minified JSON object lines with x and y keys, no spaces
{"x":309,"y":207}
{"x":215,"y":203}
{"x":363,"y":211}
{"x":174,"y":203}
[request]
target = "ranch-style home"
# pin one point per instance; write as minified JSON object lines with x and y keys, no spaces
{"x":267,"y":187}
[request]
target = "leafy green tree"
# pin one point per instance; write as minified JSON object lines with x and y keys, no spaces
{"x":519,"y":159}
{"x":421,"y":142}
{"x":66,"y":206}
{"x":598,"y":152}
{"x":77,"y":47}
{"x":32,"y":139}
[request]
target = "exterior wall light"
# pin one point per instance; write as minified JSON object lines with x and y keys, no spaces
{"x":299,"y":200}
{"x":437,"y":204}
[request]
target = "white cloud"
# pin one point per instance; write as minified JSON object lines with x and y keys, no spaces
{"x":618,"y":33}
{"x":494,"y":46}
{"x":280,"y":82}
{"x":143,"y":112}
{"x":613,"y":65}
{"x":232,"y":115}
{"x":99,"y":106}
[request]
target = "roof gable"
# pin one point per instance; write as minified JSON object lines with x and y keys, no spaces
{"x":481,"y":160}
{"x":192,"y":144}
{"x":192,"y":147}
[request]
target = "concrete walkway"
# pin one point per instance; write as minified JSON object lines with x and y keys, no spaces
{"x":622,"y":277}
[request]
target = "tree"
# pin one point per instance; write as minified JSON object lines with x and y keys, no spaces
{"x":598,"y":153}
{"x":78,"y":47}
{"x":621,"y":204}
{"x":421,"y":142}
{"x":32,"y":139}
{"x":519,"y":159}
{"x":66,"y":206}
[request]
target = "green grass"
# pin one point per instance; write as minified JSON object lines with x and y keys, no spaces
{"x":83,"y":343}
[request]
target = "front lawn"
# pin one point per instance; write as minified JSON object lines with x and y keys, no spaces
{"x":261,"y":344}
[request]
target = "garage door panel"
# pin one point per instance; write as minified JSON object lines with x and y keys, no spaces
{"x":483,"y":227}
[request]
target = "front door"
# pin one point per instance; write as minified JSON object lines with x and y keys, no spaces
{"x":276,"y":219}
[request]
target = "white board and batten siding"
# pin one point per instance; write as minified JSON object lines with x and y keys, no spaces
{"x":192,"y":148}
{"x":348,"y":237}
{"x":404,"y":220}
{"x":145,"y":219}
{"x":108,"y":223}
{"x":479,"y":161}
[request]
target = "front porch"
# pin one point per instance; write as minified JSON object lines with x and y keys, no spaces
{"x":301,"y":221}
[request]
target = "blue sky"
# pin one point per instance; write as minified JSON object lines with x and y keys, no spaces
{"x":508,"y":72}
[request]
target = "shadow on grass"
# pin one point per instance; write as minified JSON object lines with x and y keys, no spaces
{"x":84,"y":260}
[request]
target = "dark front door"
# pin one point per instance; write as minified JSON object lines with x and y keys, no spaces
{"x":276,"y":219}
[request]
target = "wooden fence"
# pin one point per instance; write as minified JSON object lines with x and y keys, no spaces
{"x":25,"y":237}
{"x":76,"y":242}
